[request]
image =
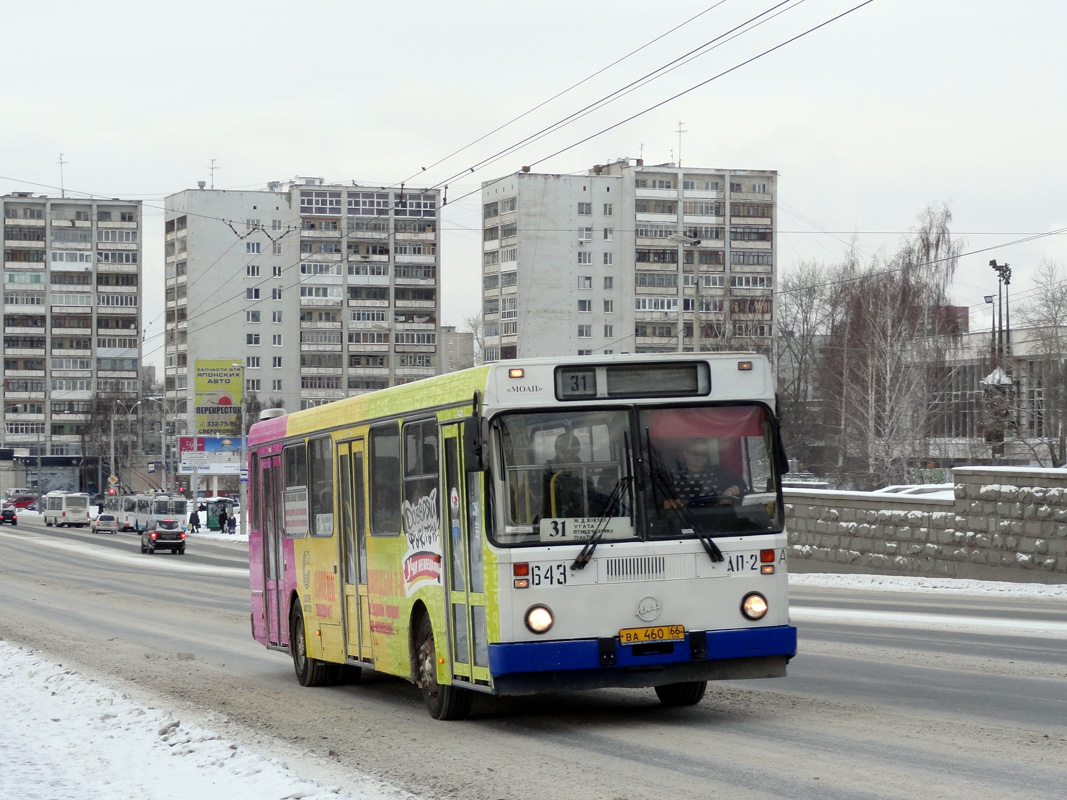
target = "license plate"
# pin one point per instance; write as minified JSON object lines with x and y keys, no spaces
{"x":658,"y":633}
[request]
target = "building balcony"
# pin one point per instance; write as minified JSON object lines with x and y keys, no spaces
{"x":430,"y":304}
{"x":317,"y":347}
{"x":12,"y":352}
{"x":72,"y":331}
{"x":368,"y":348}
{"x":323,"y":394}
{"x":319,"y":325}
{"x":315,"y":233}
{"x":364,"y":303}
{"x":417,"y":348}
{"x":321,"y":302}
{"x":332,"y":257}
{"x":321,"y":370}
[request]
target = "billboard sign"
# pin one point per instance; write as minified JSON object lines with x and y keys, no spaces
{"x":209,"y":455}
{"x":218,"y":397}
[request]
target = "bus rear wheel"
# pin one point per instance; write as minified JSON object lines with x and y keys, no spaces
{"x":443,"y":702}
{"x":309,"y":671}
{"x":688,"y":693}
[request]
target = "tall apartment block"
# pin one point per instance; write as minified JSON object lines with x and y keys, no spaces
{"x":72,"y":324}
{"x":622,"y":258}
{"x":319,"y":291}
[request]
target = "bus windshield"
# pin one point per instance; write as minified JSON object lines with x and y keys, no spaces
{"x":648,"y":473}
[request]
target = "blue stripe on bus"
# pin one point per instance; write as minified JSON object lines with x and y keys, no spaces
{"x":584,"y":653}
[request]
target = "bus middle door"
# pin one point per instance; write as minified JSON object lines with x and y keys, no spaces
{"x":462,"y":514}
{"x":354,"y":550}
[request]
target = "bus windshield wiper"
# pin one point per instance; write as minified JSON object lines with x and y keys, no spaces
{"x":614,"y":500}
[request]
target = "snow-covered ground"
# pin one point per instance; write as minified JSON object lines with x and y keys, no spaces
{"x":66,"y":737}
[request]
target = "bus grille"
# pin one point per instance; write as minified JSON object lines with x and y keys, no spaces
{"x":644,"y":568}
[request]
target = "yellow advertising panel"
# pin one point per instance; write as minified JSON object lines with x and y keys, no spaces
{"x":218,"y":398}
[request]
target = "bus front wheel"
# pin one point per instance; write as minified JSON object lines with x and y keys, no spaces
{"x":443,"y":702}
{"x":688,"y":693}
{"x":309,"y":671}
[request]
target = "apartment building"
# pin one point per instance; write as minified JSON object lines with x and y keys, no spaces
{"x":320,"y":291}
{"x":72,"y":324}
{"x":626,"y":257}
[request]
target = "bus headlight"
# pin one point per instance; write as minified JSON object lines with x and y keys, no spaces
{"x":754,"y":606}
{"x":539,"y":619}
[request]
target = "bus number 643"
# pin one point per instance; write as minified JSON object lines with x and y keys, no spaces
{"x":550,"y":574}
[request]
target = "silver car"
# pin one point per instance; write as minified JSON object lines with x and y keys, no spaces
{"x":105,"y":523}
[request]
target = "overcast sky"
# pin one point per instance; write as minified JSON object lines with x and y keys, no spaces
{"x":896,"y":106}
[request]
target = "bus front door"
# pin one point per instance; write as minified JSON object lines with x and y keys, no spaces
{"x":354,"y":550}
{"x":462,"y":513}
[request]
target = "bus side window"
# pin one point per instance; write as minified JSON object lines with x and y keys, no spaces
{"x":385,"y":480}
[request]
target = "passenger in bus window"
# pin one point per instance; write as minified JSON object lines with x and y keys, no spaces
{"x":564,"y":485}
{"x":699,"y":482}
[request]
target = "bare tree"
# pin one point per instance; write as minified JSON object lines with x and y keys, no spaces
{"x":474,"y":323}
{"x":1042,"y":403}
{"x":885,"y":350}
{"x":803,"y":313}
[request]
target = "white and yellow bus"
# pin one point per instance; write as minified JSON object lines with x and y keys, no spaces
{"x":435,"y":531}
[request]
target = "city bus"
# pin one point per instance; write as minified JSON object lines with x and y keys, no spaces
{"x":424,"y":531}
{"x":151,"y":508}
{"x":66,"y":509}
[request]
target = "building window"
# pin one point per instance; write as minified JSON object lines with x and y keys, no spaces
{"x":609,"y":306}
{"x":735,"y":187}
{"x":252,"y":271}
{"x":276,"y":385}
{"x":585,"y":281}
{"x":609,"y":259}
{"x":275,"y":294}
{"x":585,"y":234}
{"x":251,"y":294}
{"x":276,"y":362}
{"x":585,"y":209}
{"x":252,"y":338}
{"x":609,"y":234}
{"x":585,"y":352}
{"x":609,"y":282}
{"x":252,"y":362}
{"x":585,"y":257}
{"x":608,"y":209}
{"x":276,"y":340}
{"x":252,"y":248}
{"x":275,"y":316}
{"x":585,"y":331}
{"x":609,"y":331}
{"x":251,"y":316}
{"x":585,"y":306}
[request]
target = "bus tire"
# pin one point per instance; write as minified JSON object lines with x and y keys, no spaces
{"x":688,"y":693}
{"x":443,"y":702}
{"x":309,"y":671}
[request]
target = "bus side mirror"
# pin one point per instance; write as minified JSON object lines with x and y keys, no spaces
{"x":476,"y":444}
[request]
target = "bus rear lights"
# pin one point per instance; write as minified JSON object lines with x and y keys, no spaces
{"x":516,"y":372}
{"x":744,"y":366}
{"x":767,"y":569}
{"x":539,"y":619}
{"x":521,"y":573}
{"x":754,"y":606}
{"x":766,"y":558}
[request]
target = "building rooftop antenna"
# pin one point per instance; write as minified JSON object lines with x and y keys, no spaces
{"x":680,"y":132}
{"x":212,"y":169}
{"x":61,"y":162}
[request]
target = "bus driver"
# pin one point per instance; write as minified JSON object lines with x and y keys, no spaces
{"x":700,"y":480}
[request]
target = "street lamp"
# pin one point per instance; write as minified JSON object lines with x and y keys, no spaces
{"x":242,"y":480}
{"x":1004,"y":276}
{"x":992,"y":328}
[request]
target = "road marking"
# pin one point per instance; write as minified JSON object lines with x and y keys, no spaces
{"x":893,"y":619}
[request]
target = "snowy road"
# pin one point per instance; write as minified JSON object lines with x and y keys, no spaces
{"x":829,"y":730}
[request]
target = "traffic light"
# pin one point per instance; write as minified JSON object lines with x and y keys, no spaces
{"x":111,"y":490}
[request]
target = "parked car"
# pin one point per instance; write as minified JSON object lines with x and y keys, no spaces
{"x":166,"y":534}
{"x":105,"y":523}
{"x":9,"y":516}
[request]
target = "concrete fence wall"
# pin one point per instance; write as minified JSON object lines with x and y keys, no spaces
{"x":1004,"y":524}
